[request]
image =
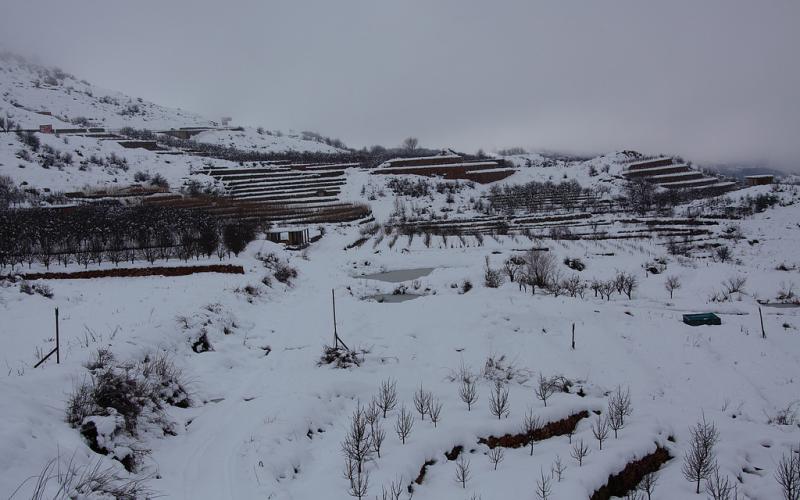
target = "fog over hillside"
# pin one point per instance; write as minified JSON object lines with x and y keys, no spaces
{"x":716,"y":81}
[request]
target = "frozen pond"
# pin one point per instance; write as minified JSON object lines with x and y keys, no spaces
{"x":390,"y":298}
{"x":400,"y":275}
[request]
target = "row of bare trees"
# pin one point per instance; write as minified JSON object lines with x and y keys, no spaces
{"x":115,"y":233}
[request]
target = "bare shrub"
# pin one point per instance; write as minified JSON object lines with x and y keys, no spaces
{"x":499,"y":369}
{"x":495,"y":455}
{"x":358,"y":480}
{"x":545,"y":387}
{"x":579,"y":452}
{"x":734,"y":284}
{"x":341,"y":357}
{"x":376,"y":436}
{"x":387,"y":396}
{"x":491,"y":276}
{"x":463,"y":473}
{"x":558,"y":468}
{"x":544,"y":485}
{"x":422,"y":401}
{"x":404,"y":424}
{"x":435,"y":411}
{"x":722,"y":254}
{"x":788,"y":475}
{"x":468,"y":389}
{"x":619,"y":408}
{"x":498,"y":401}
{"x":648,"y":484}
{"x":539,"y":268}
{"x":394,"y":491}
{"x":720,"y":487}
{"x":671,"y":284}
{"x":357,"y":447}
{"x":600,"y":429}
{"x":700,"y":458}
{"x":512,"y":266}
{"x":531,"y":424}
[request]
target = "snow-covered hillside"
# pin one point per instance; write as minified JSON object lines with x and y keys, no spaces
{"x":27,"y":90}
{"x":548,"y":288}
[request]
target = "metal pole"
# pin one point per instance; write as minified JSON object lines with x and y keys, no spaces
{"x":335,"y":335}
{"x":573,"y":336}
{"x":763,"y":333}
{"x":58,"y":344}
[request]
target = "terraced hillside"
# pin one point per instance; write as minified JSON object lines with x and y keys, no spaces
{"x":666,"y":173}
{"x":448,"y":166}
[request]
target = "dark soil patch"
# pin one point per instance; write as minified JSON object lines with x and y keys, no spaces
{"x":454,"y":453}
{"x":138,"y":272}
{"x":618,"y":485}
{"x":421,"y":476}
{"x":551,"y":429}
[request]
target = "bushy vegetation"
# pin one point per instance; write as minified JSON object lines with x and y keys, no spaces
{"x":118,"y":398}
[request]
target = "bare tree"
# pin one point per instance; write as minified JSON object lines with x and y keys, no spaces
{"x":422,"y":401}
{"x":498,"y":401}
{"x":462,"y":471}
{"x":404,"y":424}
{"x":356,"y":446}
{"x":619,"y":408}
{"x":788,"y":475}
{"x":543,"y":485}
{"x":539,"y":268}
{"x":720,"y":487}
{"x":579,"y":451}
{"x":559,"y":468}
{"x":394,"y":491}
{"x":359,"y":481}
{"x":723,"y":253}
{"x":530,"y":426}
{"x":468,"y":391}
{"x":544,"y":388}
{"x":411,"y":143}
{"x":700,"y":458}
{"x":435,"y":410}
{"x":600,"y":429}
{"x":512,"y":266}
{"x":376,"y":436}
{"x":629,"y":283}
{"x":496,"y":456}
{"x":372,"y":412}
{"x":648,"y":484}
{"x":387,"y":396}
{"x":673,"y":283}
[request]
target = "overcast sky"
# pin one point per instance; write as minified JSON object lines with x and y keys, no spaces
{"x":715,"y":81}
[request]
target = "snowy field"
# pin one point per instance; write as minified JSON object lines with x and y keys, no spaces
{"x":255,"y":414}
{"x":267,"y":422}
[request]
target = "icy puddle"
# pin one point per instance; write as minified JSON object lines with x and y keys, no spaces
{"x":400,"y":275}
{"x":390,"y":298}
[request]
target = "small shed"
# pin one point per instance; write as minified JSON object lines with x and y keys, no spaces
{"x":701,"y":319}
{"x":294,"y":237}
{"x":758,"y":180}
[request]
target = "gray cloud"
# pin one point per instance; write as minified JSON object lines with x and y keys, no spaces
{"x":715,"y":81}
